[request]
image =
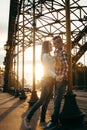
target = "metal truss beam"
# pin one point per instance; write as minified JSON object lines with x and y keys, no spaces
{"x":50,"y":21}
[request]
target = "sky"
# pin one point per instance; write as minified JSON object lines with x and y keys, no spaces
{"x":4,"y":15}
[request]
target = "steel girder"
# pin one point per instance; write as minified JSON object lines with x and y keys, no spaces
{"x":50,"y":20}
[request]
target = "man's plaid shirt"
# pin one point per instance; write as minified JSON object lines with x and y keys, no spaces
{"x":61,"y":65}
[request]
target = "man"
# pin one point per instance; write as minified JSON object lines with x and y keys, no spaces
{"x":61,"y":67}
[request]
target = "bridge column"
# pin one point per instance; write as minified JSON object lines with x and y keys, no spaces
{"x":8,"y":67}
{"x":71,"y":116}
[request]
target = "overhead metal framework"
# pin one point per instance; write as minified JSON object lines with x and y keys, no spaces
{"x":50,"y":20}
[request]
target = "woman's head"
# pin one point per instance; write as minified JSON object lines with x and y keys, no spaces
{"x":46,"y":47}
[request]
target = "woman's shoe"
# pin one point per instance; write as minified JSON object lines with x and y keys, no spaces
{"x":27,"y":124}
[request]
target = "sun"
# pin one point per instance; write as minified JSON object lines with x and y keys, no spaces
{"x":28,"y":66}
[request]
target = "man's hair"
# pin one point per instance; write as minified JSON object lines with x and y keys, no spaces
{"x":57,"y":38}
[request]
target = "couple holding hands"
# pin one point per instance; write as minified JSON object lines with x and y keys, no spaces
{"x":55,"y":73}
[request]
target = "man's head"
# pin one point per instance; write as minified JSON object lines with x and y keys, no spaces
{"x":57,"y":41}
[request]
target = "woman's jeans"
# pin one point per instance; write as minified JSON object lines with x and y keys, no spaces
{"x":46,"y":92}
{"x":60,"y":88}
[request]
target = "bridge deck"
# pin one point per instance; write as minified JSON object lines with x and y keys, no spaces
{"x":13,"y":110}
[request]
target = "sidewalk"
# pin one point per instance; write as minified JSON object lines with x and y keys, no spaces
{"x":80,"y":93}
{"x":13,"y":110}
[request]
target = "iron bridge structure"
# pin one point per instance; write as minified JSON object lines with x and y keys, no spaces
{"x":33,"y":21}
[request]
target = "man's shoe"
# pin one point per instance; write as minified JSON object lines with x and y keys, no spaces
{"x":27,"y":124}
{"x":51,"y":126}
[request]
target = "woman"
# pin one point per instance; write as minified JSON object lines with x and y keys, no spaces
{"x":47,"y":83}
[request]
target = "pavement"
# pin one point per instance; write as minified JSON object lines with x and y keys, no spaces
{"x":80,"y":93}
{"x":13,"y":110}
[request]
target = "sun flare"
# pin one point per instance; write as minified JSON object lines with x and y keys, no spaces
{"x":28,"y":66}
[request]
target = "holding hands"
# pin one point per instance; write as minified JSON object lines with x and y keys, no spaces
{"x":59,"y":78}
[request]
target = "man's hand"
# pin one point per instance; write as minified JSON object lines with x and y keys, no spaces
{"x":59,"y":78}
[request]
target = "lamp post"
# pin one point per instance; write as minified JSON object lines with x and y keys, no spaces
{"x":6,"y":47}
{"x":34,"y":96}
{"x":71,"y":116}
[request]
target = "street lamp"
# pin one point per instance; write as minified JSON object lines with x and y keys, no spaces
{"x":6,"y":47}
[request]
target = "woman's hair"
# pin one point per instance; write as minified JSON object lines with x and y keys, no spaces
{"x":45,"y":48}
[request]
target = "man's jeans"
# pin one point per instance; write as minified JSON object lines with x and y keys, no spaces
{"x":60,"y":88}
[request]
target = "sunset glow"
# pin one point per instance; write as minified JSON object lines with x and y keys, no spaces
{"x":28,"y":66}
